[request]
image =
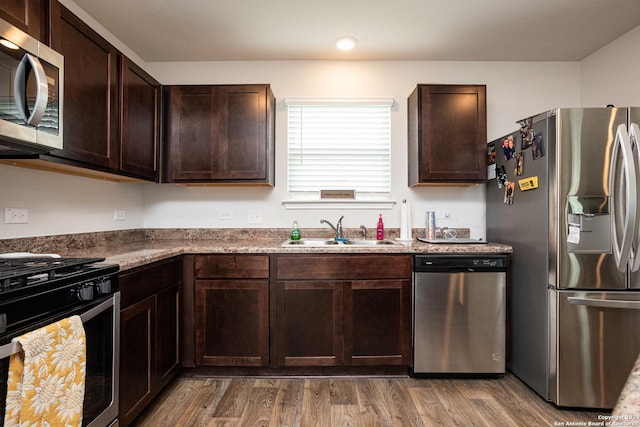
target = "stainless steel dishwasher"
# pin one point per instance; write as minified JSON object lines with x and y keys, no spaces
{"x":459,"y":314}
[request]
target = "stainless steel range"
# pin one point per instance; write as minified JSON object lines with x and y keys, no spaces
{"x":36,"y":291}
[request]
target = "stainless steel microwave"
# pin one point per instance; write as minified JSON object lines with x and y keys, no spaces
{"x":31,"y":94}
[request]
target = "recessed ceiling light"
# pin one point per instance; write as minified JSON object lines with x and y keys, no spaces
{"x":346,"y":43}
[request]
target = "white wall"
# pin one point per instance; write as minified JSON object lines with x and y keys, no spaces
{"x":611,"y":75}
{"x":61,"y":204}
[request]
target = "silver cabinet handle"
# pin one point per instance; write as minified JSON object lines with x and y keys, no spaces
{"x":42,"y":90}
{"x":604,"y":303}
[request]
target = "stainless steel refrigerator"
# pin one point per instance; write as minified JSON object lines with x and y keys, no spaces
{"x":565,"y":197}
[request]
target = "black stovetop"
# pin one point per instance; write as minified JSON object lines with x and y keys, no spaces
{"x":32,"y":272}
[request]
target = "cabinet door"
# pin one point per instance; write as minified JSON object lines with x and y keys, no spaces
{"x":139,"y":124}
{"x":242,"y":137}
{"x":27,"y":15}
{"x":232,"y":322}
{"x":137,"y":346}
{"x":377,"y":322}
{"x":168,"y":336}
{"x":447,"y":134}
{"x":192,"y":119}
{"x":90,"y":91}
{"x":309,"y":323}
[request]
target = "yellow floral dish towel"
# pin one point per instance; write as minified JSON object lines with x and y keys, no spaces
{"x":45,"y":386}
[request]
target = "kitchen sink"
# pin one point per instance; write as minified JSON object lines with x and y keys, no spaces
{"x":310,"y":242}
{"x":371,"y":242}
{"x":332,"y":242}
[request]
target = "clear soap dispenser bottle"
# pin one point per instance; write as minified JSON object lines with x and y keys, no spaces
{"x":380,"y":229}
{"x":295,"y":231}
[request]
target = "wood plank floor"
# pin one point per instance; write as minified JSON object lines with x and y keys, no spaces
{"x":354,"y":401}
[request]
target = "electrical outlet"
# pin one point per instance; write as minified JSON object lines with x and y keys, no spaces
{"x":225,"y":213}
{"x":120,"y":215}
{"x":16,"y":216}
{"x":254,"y":216}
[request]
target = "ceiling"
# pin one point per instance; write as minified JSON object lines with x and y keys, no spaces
{"x":439,"y":30}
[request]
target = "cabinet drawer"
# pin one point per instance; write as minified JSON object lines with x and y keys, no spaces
{"x":232,"y":266}
{"x":137,"y":284}
{"x":333,"y":267}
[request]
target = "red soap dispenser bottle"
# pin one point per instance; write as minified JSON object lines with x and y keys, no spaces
{"x":380,"y":231}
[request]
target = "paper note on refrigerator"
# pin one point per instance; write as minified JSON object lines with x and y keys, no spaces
{"x":574,"y":234}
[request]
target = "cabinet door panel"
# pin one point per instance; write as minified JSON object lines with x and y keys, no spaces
{"x":378,"y":322}
{"x":140,"y":121}
{"x":338,"y":267}
{"x":137,"y":339}
{"x":27,"y":15}
{"x":90,"y":91}
{"x":232,"y":266}
{"x":232,"y":322}
{"x":243,"y":123}
{"x":193,"y":121}
{"x":310,"y":323}
{"x":168,"y":339}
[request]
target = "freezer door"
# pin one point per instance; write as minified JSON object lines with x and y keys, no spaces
{"x":580,"y":162}
{"x":595,"y":342}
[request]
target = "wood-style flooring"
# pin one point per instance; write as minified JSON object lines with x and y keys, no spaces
{"x":355,"y":401}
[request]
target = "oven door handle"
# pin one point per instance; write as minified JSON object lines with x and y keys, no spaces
{"x":14,"y":347}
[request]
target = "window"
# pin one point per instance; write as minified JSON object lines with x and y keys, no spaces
{"x":339,"y":145}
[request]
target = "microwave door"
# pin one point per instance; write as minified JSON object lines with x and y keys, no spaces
{"x":31,"y":95}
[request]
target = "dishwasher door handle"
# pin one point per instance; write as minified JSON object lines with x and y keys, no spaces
{"x":605,"y":303}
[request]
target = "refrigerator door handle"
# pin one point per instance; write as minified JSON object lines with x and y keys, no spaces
{"x":622,"y":250}
{"x":604,"y":303}
{"x":634,"y":134}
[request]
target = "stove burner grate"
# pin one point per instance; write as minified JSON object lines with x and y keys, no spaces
{"x":28,"y":271}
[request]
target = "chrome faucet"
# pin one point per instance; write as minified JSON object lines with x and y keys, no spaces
{"x":363,"y":230}
{"x":337,"y":228}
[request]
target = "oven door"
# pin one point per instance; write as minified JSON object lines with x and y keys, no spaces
{"x":101,"y":320}
{"x":102,"y":330}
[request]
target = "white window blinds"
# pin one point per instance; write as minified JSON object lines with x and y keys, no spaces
{"x":339,"y":145}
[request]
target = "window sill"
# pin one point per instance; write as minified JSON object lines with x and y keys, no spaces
{"x":339,"y":204}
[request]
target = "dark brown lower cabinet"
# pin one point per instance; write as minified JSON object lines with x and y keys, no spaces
{"x":231,"y":307}
{"x":324,"y":321}
{"x":232,"y":322}
{"x":138,"y":325}
{"x":310,"y":323}
{"x":377,"y":322}
{"x":302,"y":310}
{"x":149,"y":334}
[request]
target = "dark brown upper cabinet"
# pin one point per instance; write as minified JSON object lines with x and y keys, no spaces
{"x":28,"y":15}
{"x":90,"y":91}
{"x":139,"y":122}
{"x":111,"y":107}
{"x":447,"y":134}
{"x":220,"y":134}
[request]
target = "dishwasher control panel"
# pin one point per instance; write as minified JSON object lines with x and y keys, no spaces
{"x":453,"y":263}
